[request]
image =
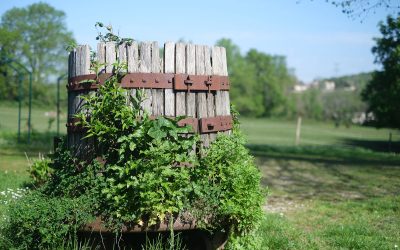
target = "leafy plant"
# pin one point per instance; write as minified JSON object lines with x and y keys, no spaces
{"x":110,"y":36}
{"x":40,"y":170}
{"x":227,"y":186}
{"x":36,"y":221}
{"x":142,"y":156}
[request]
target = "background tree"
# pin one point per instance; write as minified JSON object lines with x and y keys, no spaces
{"x":383,"y":92}
{"x":342,"y":106}
{"x":260,"y":82}
{"x":245,"y":94}
{"x":39,"y":39}
{"x":7,"y":49}
{"x":362,"y":8}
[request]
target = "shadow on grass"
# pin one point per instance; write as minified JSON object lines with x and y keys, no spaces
{"x":374,"y":145}
{"x":325,"y":154}
{"x":326,"y":172}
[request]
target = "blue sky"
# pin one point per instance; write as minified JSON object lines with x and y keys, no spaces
{"x":317,"y":39}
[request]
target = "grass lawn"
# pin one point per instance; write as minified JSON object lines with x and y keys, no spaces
{"x":339,"y":189}
{"x":282,"y":133}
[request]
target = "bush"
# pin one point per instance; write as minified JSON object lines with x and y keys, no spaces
{"x":227,"y":186}
{"x":40,"y":170}
{"x":36,"y":221}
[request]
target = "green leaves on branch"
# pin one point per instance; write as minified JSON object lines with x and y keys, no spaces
{"x":110,"y":36}
{"x":383,"y":92}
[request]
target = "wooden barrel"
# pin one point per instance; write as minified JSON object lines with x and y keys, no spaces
{"x":187,"y":80}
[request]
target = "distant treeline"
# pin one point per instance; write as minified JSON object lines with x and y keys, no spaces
{"x":261,"y":83}
{"x":342,"y":103}
{"x":263,"y":86}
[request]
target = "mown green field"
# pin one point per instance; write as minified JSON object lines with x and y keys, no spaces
{"x":339,"y":189}
{"x":282,"y":133}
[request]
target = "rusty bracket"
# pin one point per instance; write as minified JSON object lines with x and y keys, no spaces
{"x":147,"y":81}
{"x":86,"y":82}
{"x":202,"y":125}
{"x":193,"y":122}
{"x":184,"y":82}
{"x":215,"y":124}
{"x":72,"y":125}
{"x":178,"y":82}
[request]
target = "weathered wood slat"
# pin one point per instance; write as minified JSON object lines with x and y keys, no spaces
{"x":180,"y":68}
{"x":225,"y":94}
{"x":132,"y":51}
{"x":75,"y":104}
{"x":217,"y":70}
{"x":169,"y":67}
{"x":71,"y":95}
{"x":84,"y":144}
{"x":222,"y":105}
{"x":210,"y":95}
{"x":145,"y":57}
{"x":155,"y":58}
{"x":145,"y":67}
{"x":71,"y":73}
{"x":110,"y":56}
{"x":201,"y":98}
{"x":157,"y":94}
{"x":101,"y":56}
{"x":81,"y":66}
{"x":133,"y":57}
{"x":191,"y":69}
{"x":122,"y":55}
{"x":122,"y":58}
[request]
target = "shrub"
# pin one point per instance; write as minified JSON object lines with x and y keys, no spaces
{"x":36,"y":221}
{"x":227,"y":186}
{"x":40,"y":170}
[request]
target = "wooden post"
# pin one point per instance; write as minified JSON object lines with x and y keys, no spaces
{"x":298,"y":130}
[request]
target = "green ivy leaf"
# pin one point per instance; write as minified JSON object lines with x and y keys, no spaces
{"x":156,"y":133}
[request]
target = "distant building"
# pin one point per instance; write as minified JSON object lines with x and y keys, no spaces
{"x":328,"y":86}
{"x":362,"y":117}
{"x":350,"y":88}
{"x":301,"y":87}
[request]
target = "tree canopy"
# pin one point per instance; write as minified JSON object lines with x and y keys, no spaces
{"x":36,"y":35}
{"x":361,"y":8}
{"x":260,"y":82}
{"x":383,"y":91}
